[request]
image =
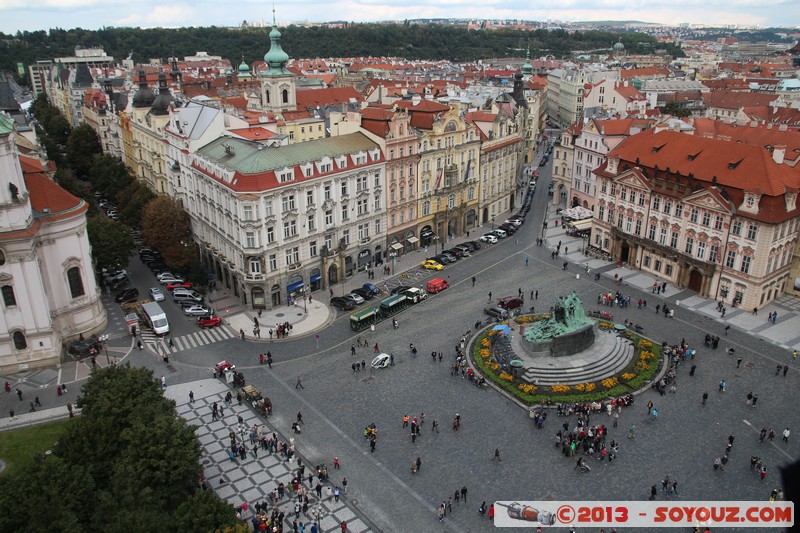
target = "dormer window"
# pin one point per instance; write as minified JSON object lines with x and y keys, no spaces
{"x":751,"y":201}
{"x":285,"y":176}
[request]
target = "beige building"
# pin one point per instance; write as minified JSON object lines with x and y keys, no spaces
{"x":705,"y":214}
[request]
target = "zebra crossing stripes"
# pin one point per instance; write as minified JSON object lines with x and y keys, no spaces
{"x":195,"y":339}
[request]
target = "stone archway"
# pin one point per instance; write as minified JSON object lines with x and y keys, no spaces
{"x":276,"y":295}
{"x":452,"y":228}
{"x":624,"y":252}
{"x":333,"y":274}
{"x":258,"y":297}
{"x":485,"y":215}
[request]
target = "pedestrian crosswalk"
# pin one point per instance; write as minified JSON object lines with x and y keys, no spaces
{"x":199,"y":338}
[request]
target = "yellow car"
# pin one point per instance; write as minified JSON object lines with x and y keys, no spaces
{"x":430,"y":264}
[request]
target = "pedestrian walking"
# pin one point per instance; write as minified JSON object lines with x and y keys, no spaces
{"x":785,"y":370}
{"x":738,"y":362}
{"x":490,"y":296}
{"x":299,"y":384}
{"x":191,"y":396}
{"x":335,"y":463}
{"x":464,"y":493}
{"x":473,"y":281}
{"x":786,"y":434}
{"x":419,"y":463}
{"x":705,"y":397}
{"x":497,"y":454}
{"x":632,"y":431}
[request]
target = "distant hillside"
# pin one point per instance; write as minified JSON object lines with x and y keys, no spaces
{"x":409,"y":40}
{"x":616,"y":23}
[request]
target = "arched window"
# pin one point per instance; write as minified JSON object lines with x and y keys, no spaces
{"x":75,"y":282}
{"x":266,"y":94}
{"x":2,"y":258}
{"x":20,"y":343}
{"x":285,"y":96}
{"x":8,"y":295}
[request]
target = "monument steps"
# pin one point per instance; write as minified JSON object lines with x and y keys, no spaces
{"x":616,"y":357}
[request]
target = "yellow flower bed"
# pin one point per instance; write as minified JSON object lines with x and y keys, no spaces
{"x":641,"y":366}
{"x":484,"y":353}
{"x":491,"y":333}
{"x":627,"y":376}
{"x":605,"y":325}
{"x":493,"y":366}
{"x":580,"y":387}
{"x":590,"y":387}
{"x":507,"y":377}
{"x":524,"y":319}
{"x":527,"y":389}
{"x":645,"y":344}
{"x":560,"y":388}
{"x":609,"y":383}
{"x":485,"y":343}
{"x":645,"y":356}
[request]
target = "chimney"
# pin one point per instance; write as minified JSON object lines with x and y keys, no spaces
{"x":778,"y":152}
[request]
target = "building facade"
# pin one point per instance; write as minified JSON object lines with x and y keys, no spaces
{"x":716,"y":217}
{"x":276,"y":222}
{"x":48,"y":289}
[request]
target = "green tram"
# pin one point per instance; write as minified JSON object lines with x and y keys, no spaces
{"x":387,"y":308}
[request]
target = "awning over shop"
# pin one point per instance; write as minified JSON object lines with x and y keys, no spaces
{"x":397,"y":246}
{"x":412,"y":240}
{"x":581,"y":225}
{"x":294,"y":287}
{"x":315,"y":277}
{"x":577,"y":213}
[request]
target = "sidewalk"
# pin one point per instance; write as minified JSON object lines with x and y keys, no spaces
{"x":785,"y":333}
{"x":251,"y":480}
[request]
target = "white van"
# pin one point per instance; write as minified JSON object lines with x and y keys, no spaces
{"x":186,"y":295}
{"x":156,"y":317}
{"x":500,"y":233}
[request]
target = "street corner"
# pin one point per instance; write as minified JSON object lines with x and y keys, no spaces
{"x":302,"y":319}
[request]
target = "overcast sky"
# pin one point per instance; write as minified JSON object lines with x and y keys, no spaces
{"x":91,"y":14}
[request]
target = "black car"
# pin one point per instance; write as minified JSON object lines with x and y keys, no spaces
{"x":449,"y":258}
{"x":364,"y":293}
{"x":398,"y":289}
{"x":128,"y":295}
{"x":477,"y":244}
{"x":455,"y":251}
{"x":511,"y":229}
{"x":342,"y":303}
{"x":84,"y":348}
{"x":441,"y":259}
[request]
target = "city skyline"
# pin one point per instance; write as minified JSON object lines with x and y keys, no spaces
{"x":33,"y":15}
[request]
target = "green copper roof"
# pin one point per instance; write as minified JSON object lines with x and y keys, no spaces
{"x":246,"y":157}
{"x":244,"y":67}
{"x":6,"y":124}
{"x":276,"y":58}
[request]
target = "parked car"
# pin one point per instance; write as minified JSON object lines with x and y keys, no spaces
{"x":384,"y":360}
{"x":156,"y":294}
{"x":476,"y":244}
{"x":128,"y":295}
{"x":443,"y":259}
{"x":372,"y":288}
{"x":458,"y":252}
{"x":432,"y":264}
{"x":436,"y":285}
{"x":166,"y":280}
{"x":364,"y":293}
{"x":342,"y":303}
{"x":509,"y":228}
{"x":197,"y":310}
{"x":165,"y":275}
{"x":490,"y":238}
{"x":178,"y":284}
{"x":84,"y":348}
{"x":465,"y":249}
{"x":449,"y":256}
{"x":510,"y":302}
{"x":209,"y":321}
{"x":355,"y":298}
{"x":515,"y":221}
{"x":469,"y":245}
{"x":398,"y":289}
{"x":496,"y":312}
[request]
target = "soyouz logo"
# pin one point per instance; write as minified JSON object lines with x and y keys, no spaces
{"x":643,"y":514}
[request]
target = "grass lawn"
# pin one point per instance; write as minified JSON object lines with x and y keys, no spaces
{"x":20,"y":446}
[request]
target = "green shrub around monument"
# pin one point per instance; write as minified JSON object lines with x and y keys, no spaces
{"x":641,"y":370}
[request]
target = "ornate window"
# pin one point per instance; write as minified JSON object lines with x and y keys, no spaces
{"x":9,"y":300}
{"x":75,"y":282}
{"x":20,"y":342}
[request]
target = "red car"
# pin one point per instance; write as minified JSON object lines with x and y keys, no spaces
{"x":209,"y":321}
{"x":179,"y":285}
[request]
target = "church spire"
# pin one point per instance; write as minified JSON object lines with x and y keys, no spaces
{"x":276,"y":58}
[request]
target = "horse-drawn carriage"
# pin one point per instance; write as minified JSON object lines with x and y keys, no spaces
{"x":228,"y":372}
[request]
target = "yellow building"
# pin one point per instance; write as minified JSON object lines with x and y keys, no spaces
{"x":149,"y":117}
{"x":447,"y":177}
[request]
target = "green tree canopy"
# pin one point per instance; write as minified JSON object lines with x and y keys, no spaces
{"x":165,"y":225}
{"x":128,"y":463}
{"x":675,"y":109}
{"x":132,"y":201}
{"x":83,"y":146}
{"x":111,"y":242}
{"x":109,"y":175}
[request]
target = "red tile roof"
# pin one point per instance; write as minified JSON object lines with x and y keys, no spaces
{"x":622,"y":126}
{"x":376,"y":120}
{"x":755,"y":134}
{"x":741,"y":166}
{"x":736,"y":100}
{"x":423,"y":113}
{"x":330,"y":96}
{"x":47,"y":196}
{"x":650,"y":72}
{"x":253,"y":133}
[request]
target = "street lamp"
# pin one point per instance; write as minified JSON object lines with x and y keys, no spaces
{"x":436,"y":244}
{"x":305,"y":300}
{"x":585,"y":239}
{"x":104,"y":340}
{"x":393,"y":255}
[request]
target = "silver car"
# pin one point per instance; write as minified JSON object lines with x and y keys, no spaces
{"x":197,"y":310}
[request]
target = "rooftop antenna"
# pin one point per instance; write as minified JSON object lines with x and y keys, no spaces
{"x":273,"y":16}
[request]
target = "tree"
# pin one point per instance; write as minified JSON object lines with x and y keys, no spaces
{"x":165,"y":225}
{"x":675,"y":109}
{"x":83,"y":146}
{"x":132,"y":201}
{"x":204,"y":511}
{"x":111,"y":242}
{"x":109,"y":175}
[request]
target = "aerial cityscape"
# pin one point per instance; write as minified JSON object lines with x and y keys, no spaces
{"x":361,"y":271}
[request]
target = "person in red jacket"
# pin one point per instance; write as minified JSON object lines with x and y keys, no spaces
{"x":491,"y":512}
